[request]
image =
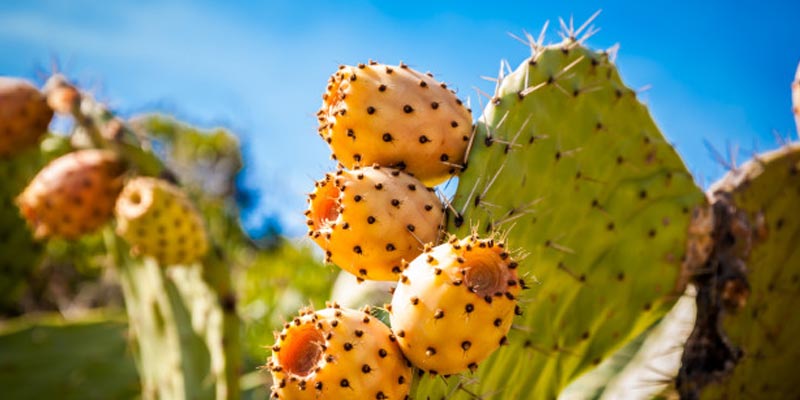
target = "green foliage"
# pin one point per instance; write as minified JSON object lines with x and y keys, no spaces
{"x":767,"y":189}
{"x":20,"y":255}
{"x":271,"y":289}
{"x":48,"y":357}
{"x":569,"y":165}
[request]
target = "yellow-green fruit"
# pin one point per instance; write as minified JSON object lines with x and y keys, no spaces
{"x":73,"y":195}
{"x":395,"y":117}
{"x":371,"y":219}
{"x":158,"y":220}
{"x":338,"y":354}
{"x":454,"y":305}
{"x":24,"y":116}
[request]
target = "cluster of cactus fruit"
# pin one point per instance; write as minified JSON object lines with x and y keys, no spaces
{"x":395,"y":132}
{"x":76,"y":194}
{"x":569,"y":179}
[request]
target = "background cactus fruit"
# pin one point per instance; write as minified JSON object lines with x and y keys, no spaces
{"x":158,"y":220}
{"x":454,"y":304}
{"x":338,"y":353}
{"x":371,"y":219}
{"x":24,"y":116}
{"x":73,"y":195}
{"x":395,"y":117}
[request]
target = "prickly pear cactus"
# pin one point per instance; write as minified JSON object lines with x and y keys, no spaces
{"x":765,"y":330}
{"x":47,"y":356}
{"x":569,"y":164}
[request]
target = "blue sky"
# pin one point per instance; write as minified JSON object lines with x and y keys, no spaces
{"x":717,"y":71}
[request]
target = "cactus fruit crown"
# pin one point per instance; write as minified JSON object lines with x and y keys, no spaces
{"x":369,"y":220}
{"x":455,"y":303}
{"x":24,"y":116}
{"x":338,"y":353}
{"x":73,"y":195}
{"x":396,"y":117}
{"x":158,"y":220}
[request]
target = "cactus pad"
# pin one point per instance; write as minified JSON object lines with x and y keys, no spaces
{"x":395,"y":117}
{"x":338,"y":353}
{"x":158,"y":220}
{"x":73,"y":195}
{"x":766,"y":327}
{"x":24,"y":116}
{"x":571,"y":166}
{"x":454,"y":304}
{"x":371,"y":219}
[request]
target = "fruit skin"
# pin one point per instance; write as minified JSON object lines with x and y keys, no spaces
{"x":371,"y":219}
{"x":338,"y":353}
{"x":24,"y":116}
{"x":158,"y":220}
{"x":73,"y":195}
{"x":454,"y":304}
{"x":395,"y":117}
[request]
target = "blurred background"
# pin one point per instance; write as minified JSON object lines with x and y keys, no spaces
{"x":712,"y":73}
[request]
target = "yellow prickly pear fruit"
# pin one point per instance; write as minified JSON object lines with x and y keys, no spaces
{"x":158,"y":220}
{"x":371,"y":219}
{"x":24,"y":116}
{"x":395,"y":117}
{"x":73,"y":195}
{"x":454,"y":304}
{"x":335,"y":354}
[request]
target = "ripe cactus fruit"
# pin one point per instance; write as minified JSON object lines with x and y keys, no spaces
{"x":338,"y":353}
{"x":371,"y":219}
{"x":73,"y":195}
{"x":158,"y":220}
{"x":395,"y":117}
{"x":24,"y":116}
{"x":757,"y":319}
{"x":569,"y":164}
{"x":454,"y":304}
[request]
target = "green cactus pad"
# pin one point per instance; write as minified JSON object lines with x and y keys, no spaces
{"x":46,"y":357}
{"x":767,"y":328}
{"x":569,"y":165}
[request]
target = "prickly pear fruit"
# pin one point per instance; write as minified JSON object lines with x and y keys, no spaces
{"x":24,"y":116}
{"x":338,"y":353}
{"x":395,"y":117}
{"x":454,"y":304}
{"x":158,"y":220}
{"x":73,"y":195}
{"x":371,"y":219}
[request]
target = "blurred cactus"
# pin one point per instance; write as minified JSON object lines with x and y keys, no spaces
{"x":84,"y":359}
